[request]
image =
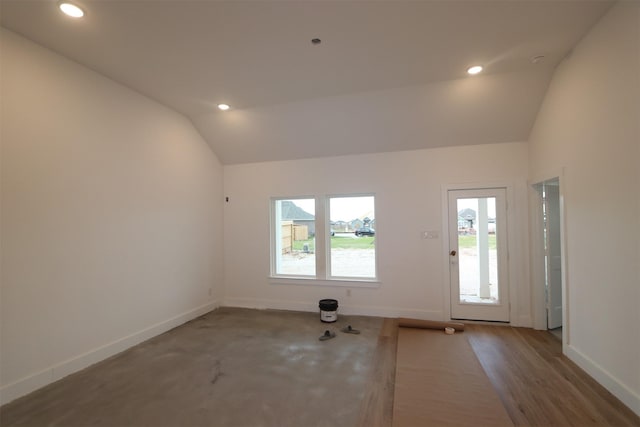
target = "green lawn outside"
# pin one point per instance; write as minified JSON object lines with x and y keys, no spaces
{"x":470,"y":241}
{"x":340,"y":242}
{"x":348,"y":242}
{"x":368,"y":242}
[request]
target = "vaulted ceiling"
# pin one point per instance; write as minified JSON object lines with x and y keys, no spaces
{"x":387,"y":75}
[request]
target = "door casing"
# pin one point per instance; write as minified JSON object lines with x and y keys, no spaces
{"x":537,"y":255}
{"x":512,"y":236}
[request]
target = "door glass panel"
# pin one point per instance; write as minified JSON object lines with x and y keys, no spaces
{"x":478,"y":253}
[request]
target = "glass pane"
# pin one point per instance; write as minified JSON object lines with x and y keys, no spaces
{"x":353,"y":241}
{"x":478,"y":254}
{"x":295,"y":237}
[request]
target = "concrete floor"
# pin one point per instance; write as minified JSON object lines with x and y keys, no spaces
{"x":231,"y":367}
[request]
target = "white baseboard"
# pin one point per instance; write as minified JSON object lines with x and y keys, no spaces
{"x":345,"y":309}
{"x":608,"y":381}
{"x":60,"y":370}
{"x":266,"y":304}
{"x":523,"y":322}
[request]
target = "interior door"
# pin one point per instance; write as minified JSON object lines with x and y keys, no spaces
{"x":478,"y":254}
{"x":553,"y":254}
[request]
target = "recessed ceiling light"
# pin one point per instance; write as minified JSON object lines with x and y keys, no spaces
{"x":71,"y":10}
{"x":223,"y":107}
{"x":316,"y":41}
{"x":474,"y":70}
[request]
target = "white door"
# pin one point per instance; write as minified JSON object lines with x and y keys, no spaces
{"x":552,"y":252}
{"x":478,"y":254}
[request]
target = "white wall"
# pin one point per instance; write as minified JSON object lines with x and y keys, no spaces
{"x":408,"y":188}
{"x":494,"y":108}
{"x":589,"y":124}
{"x":111,"y":218}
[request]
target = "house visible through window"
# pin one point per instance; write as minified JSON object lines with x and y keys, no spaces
{"x":347,"y":249}
{"x":294,"y":235}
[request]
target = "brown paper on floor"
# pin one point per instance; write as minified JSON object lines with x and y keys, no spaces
{"x":429,"y":324}
{"x":440,"y":382}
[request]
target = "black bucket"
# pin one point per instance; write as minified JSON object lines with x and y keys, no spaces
{"x":328,"y":310}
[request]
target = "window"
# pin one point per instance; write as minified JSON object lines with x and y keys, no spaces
{"x":353,"y":237}
{"x":294,"y":237}
{"x":324,"y":238}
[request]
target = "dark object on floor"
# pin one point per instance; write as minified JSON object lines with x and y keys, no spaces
{"x":350,"y":330}
{"x":327,"y":335}
{"x":328,"y":310}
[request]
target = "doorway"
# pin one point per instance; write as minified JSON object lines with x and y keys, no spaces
{"x":549,"y":193}
{"x":478,"y":254}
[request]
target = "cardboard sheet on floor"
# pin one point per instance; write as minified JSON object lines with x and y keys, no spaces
{"x":429,"y":324}
{"x":440,"y":382}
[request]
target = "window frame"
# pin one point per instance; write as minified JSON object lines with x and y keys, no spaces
{"x":328,"y":272}
{"x":275,"y":238}
{"x":322,"y":246}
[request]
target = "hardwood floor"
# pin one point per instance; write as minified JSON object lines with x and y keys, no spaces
{"x":377,"y":406}
{"x":537,"y":384}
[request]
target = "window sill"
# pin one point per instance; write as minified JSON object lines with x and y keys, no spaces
{"x":312,"y":281}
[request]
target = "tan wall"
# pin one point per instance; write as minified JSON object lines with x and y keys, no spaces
{"x":111,"y":217}
{"x":412,"y":270}
{"x":588,"y":127}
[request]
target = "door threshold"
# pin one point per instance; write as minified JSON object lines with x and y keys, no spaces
{"x":482,"y":322}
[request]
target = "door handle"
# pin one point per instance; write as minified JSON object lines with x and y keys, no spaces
{"x":453,"y":253}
